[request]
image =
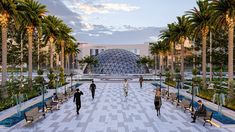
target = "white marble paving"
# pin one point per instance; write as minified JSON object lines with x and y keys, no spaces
{"x":111,"y":112}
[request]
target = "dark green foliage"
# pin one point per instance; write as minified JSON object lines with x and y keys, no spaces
{"x":51,"y":76}
{"x":146,"y":60}
{"x":62,"y":77}
{"x":14,"y":88}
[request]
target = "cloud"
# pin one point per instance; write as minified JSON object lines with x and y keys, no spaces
{"x":87,"y":27}
{"x":89,"y":32}
{"x":102,"y":8}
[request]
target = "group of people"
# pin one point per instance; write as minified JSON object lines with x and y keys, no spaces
{"x":200,"y":111}
{"x":78,"y":93}
{"x":157,"y":100}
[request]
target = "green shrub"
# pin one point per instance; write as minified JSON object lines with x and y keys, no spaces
{"x":51,"y":76}
{"x":62,"y":76}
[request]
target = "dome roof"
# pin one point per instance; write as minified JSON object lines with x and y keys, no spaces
{"x":118,"y":61}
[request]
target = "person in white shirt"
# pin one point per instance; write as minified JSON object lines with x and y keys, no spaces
{"x":125,"y":88}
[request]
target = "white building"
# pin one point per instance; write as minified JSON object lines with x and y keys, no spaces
{"x":94,"y":49}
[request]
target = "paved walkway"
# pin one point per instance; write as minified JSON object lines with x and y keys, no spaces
{"x":111,"y":112}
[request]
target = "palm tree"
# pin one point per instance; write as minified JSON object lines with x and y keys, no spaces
{"x":64,"y":35}
{"x":154,"y":50}
{"x":180,"y":33}
{"x":51,"y":25}
{"x":167,"y":38}
{"x":90,"y":61}
{"x":31,"y":12}
{"x":224,"y":15}
{"x":7,"y":10}
{"x":164,"y":48}
{"x":74,"y":51}
{"x":71,"y":48}
{"x":200,"y":23}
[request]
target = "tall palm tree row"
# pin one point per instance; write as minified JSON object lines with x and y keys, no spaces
{"x":51,"y":29}
{"x":208,"y":15}
{"x":166,"y":36}
{"x":180,"y":33}
{"x":30,"y":14}
{"x":7,"y":12}
{"x":223,"y":15}
{"x":155,"y":50}
{"x":64,"y":36}
{"x":199,"y":19}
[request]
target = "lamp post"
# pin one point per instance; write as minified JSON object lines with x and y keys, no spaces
{"x":160,"y":78}
{"x":192,"y":97}
{"x":178,"y":78}
{"x":160,"y":81}
{"x":71,"y":81}
{"x":65,"y":87}
{"x":43,"y":96}
{"x":57,"y":80}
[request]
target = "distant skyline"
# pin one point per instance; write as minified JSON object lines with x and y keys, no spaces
{"x":118,"y":21}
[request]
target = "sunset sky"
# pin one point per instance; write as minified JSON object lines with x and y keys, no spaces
{"x":117,"y":21}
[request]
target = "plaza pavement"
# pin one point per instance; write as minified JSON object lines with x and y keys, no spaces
{"x":111,"y":112}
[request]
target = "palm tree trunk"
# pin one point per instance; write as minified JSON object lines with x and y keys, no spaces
{"x":194,"y":66}
{"x":62,"y":54}
{"x":21,"y":57}
{"x":230,"y":57}
{"x":182,"y":62}
{"x":73,"y":62}
{"x":155,"y":58}
{"x":57,"y":60}
{"x":51,"y":52}
{"x":39,"y":43}
{"x":172,"y":57}
{"x":4,"y":54}
{"x":204,"y":34}
{"x":69,"y":64}
{"x":67,"y":68}
{"x":210,"y":56}
{"x":161,"y":63}
{"x":30,"y":61}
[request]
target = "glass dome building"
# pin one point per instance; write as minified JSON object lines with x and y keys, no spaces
{"x":118,"y":61}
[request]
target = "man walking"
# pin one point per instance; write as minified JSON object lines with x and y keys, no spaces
{"x":77,"y":99}
{"x":92,"y":88}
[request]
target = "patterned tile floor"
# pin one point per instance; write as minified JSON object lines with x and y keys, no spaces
{"x":112,"y":112}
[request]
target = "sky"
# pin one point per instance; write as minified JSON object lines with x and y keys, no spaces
{"x":117,"y":21}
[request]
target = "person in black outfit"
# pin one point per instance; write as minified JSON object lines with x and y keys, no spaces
{"x":77,"y":99}
{"x":92,"y":88}
{"x":158,"y":101}
{"x":141,"y":81}
{"x":201,"y":111}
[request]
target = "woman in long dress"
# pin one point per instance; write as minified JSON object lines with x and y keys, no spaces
{"x":158,"y":101}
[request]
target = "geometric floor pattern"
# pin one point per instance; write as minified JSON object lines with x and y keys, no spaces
{"x":112,"y":112}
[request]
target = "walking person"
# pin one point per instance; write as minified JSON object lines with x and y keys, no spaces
{"x":125,"y":88}
{"x":158,"y":101}
{"x":141,"y":81}
{"x":92,"y":88}
{"x":77,"y":99}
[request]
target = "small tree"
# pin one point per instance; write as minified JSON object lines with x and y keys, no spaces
{"x":219,"y":95}
{"x":90,"y":61}
{"x":51,"y":77}
{"x":39,"y":79}
{"x":62,"y":76}
{"x":169,"y":79}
